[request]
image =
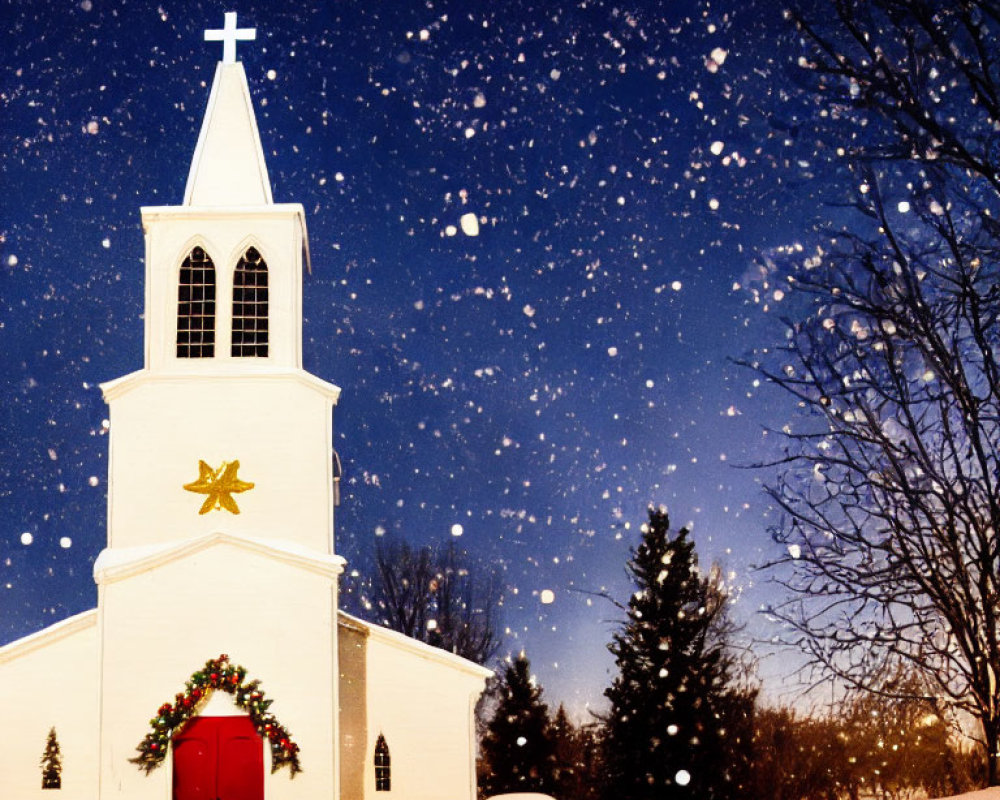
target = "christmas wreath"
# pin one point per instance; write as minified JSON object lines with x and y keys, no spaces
{"x":217,"y":673}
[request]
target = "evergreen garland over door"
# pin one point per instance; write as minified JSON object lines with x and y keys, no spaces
{"x":218,"y":758}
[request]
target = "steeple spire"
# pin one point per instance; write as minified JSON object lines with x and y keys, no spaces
{"x":228,"y":168}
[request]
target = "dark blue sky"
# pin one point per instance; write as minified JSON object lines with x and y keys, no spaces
{"x":539,"y":384}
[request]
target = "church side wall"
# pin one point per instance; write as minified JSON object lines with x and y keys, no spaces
{"x":423,"y":707}
{"x":49,"y":681}
{"x":160,"y":626}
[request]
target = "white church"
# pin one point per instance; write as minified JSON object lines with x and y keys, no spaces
{"x":216,"y":665}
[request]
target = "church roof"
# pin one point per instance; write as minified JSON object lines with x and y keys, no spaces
{"x":400,"y":641}
{"x":48,"y":635}
{"x":228,"y":168}
{"x":88,"y":619}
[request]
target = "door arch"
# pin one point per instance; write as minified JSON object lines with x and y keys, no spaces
{"x":218,"y":758}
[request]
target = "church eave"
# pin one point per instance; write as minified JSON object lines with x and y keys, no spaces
{"x":118,"y":387}
{"x":151,"y":214}
{"x":46,"y":636}
{"x":275,"y":210}
{"x":115,"y":564}
{"x":422,"y":649}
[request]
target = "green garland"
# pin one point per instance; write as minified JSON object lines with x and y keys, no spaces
{"x":217,"y":673}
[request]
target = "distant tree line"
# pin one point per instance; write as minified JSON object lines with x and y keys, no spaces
{"x":684,"y":720}
{"x":866,"y":748}
{"x":685,"y":723}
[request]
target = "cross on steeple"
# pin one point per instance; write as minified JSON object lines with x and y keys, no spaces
{"x":229,"y":35}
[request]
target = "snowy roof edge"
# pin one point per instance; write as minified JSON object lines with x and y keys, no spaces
{"x":48,"y":635}
{"x":417,"y":647}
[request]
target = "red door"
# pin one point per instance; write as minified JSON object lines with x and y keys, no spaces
{"x":218,"y":758}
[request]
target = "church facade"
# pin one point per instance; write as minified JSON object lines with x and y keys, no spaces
{"x":217,"y":664}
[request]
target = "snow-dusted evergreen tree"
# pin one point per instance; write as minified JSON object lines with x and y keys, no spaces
{"x":518,"y":750}
{"x":52,"y":762}
{"x":677,"y":727}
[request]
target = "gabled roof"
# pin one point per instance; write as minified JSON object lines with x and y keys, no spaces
{"x":116,"y":566}
{"x":228,"y":167}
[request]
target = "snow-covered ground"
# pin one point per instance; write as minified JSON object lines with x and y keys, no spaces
{"x":993,"y":793}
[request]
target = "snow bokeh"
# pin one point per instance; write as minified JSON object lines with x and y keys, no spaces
{"x":531,"y":228}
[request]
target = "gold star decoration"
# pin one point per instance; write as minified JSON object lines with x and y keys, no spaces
{"x":220,"y":485}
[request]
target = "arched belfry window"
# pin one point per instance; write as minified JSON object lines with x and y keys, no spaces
{"x":383,"y":777}
{"x":196,"y":306}
{"x":250,"y":306}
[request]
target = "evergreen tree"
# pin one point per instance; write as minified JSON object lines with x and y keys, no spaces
{"x":590,"y":762}
{"x":518,"y":751}
{"x":51,"y":763}
{"x":676,"y":728}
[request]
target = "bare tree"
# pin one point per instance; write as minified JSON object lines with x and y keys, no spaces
{"x":438,"y":595}
{"x":889,"y":480}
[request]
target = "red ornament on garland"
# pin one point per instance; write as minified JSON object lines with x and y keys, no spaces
{"x":217,"y":674}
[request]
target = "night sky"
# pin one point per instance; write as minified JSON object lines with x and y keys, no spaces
{"x":539,"y":384}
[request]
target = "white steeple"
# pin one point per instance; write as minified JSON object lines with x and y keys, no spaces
{"x":222,"y":391}
{"x":228,"y":168}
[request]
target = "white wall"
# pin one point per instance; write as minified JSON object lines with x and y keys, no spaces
{"x":47,"y":680}
{"x":421,"y":700}
{"x":274,"y":618}
{"x":279,"y":429}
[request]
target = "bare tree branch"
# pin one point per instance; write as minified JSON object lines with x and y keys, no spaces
{"x":888,"y":483}
{"x":439,"y":596}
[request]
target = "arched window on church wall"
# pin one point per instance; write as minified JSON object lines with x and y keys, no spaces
{"x":196,"y":306}
{"x":383,"y":776}
{"x":250,"y":306}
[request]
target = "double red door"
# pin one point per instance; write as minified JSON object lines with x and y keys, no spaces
{"x":218,"y":758}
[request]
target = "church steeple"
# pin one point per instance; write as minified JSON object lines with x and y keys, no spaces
{"x":223,"y":386}
{"x":228,"y":168}
{"x":223,"y":268}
